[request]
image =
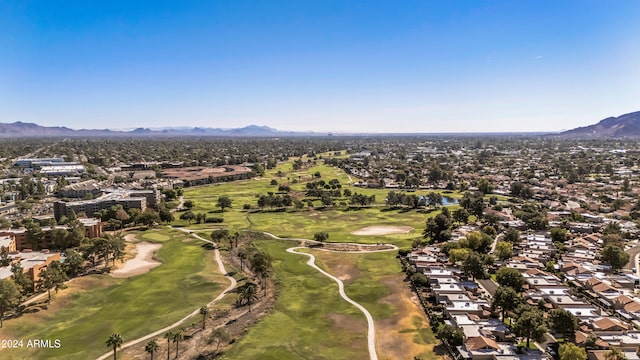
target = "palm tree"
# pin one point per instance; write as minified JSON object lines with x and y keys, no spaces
{"x":168,"y":335}
{"x":242,"y":255}
{"x":248,"y":293}
{"x":114,"y":341}
{"x":177,"y":337}
{"x":151,"y":348}
{"x":204,"y":311}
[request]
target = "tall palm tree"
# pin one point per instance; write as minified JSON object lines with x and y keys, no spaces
{"x":248,"y":294}
{"x":177,"y":337}
{"x":204,"y":311}
{"x":152,"y":347}
{"x":114,"y":341}
{"x":168,"y":335}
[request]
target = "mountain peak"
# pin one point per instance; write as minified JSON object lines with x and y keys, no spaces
{"x":627,"y":125}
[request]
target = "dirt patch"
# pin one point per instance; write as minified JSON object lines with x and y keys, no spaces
{"x":337,"y":265}
{"x":383,"y":230}
{"x":348,"y":323}
{"x":402,"y":335}
{"x":141,"y":263}
{"x":353,"y":247}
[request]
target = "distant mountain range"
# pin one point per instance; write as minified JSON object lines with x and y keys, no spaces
{"x":627,"y":125}
{"x":20,"y":129}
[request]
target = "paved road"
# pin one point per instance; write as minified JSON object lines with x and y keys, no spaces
{"x":194,"y":313}
{"x":392,"y":247}
{"x":488,"y":285}
{"x":633,"y":259}
{"x":371,"y":336}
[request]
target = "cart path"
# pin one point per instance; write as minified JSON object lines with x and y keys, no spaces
{"x":371,"y":336}
{"x":231,"y":286}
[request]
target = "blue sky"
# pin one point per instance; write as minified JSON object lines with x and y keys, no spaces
{"x":341,"y":66}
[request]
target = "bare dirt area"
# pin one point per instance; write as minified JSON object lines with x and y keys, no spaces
{"x":352,"y":247}
{"x":141,"y":263}
{"x":382,"y":230}
{"x":403,"y":335}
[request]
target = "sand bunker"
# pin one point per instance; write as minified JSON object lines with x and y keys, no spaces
{"x":383,"y":230}
{"x":141,"y":263}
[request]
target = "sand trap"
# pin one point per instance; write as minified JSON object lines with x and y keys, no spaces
{"x":383,"y":230}
{"x":141,"y":263}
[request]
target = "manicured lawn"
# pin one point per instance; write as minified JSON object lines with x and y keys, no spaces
{"x":133,"y":307}
{"x":339,"y":221}
{"x":309,"y":319}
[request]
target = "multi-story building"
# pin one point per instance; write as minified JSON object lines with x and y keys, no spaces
{"x":90,"y":207}
{"x":92,"y":227}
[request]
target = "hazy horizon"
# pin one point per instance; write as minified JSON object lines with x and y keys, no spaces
{"x":330,"y":66}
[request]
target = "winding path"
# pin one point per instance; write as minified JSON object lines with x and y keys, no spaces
{"x":371,"y":326}
{"x":371,"y":336}
{"x":194,"y":313}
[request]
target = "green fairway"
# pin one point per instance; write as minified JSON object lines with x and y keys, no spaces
{"x":338,"y":221}
{"x":132,"y":307}
{"x":309,"y":319}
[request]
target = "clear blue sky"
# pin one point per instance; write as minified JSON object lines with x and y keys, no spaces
{"x":322,"y":65}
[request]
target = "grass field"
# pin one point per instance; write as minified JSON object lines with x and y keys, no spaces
{"x":309,"y":319}
{"x":83,"y":316}
{"x":377,"y":282}
{"x":338,"y":221}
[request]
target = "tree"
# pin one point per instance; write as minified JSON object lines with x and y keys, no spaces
{"x":438,"y":228}
{"x":151,"y":347}
{"x":614,"y":354}
{"x":219,"y":337}
{"x":59,"y":238}
{"x":450,"y":334}
{"x":189,"y":204}
{"x":510,"y":277}
{"x":570,"y":351}
{"x":504,"y":250}
{"x":474,"y":266}
{"x":219,"y":234}
{"x":559,"y":235}
{"x":178,"y":335}
{"x":34,"y":235}
{"x":461,"y":216}
{"x":530,"y":325}
{"x":458,"y":255}
{"x":477,"y":241}
{"x":52,"y":276}
{"x":188,"y":215}
{"x":168,"y":335}
{"x":204,"y":311}
{"x":512,"y":235}
{"x":165,"y":215}
{"x":615,"y":256}
{"x":562,"y":321}
{"x":321,"y":236}
{"x":24,"y":282}
{"x":9,"y":297}
{"x":223,"y":202}
{"x":506,"y":299}
{"x":114,"y":341}
{"x":248,"y":294}
{"x":72,"y":263}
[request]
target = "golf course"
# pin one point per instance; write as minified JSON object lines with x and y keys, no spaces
{"x":308,"y":320}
